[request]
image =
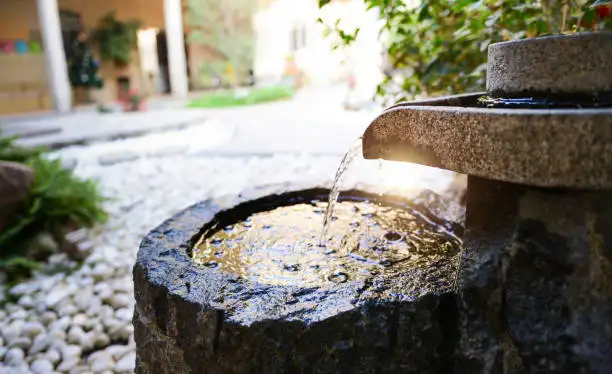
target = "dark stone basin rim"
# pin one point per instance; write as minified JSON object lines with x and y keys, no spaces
{"x":564,"y":148}
{"x":163,"y":263}
{"x":469,"y":102}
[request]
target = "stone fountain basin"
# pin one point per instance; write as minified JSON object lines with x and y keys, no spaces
{"x":190,"y":318}
{"x":569,"y":148}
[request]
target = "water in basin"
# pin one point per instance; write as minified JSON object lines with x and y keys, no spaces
{"x":369,"y":235}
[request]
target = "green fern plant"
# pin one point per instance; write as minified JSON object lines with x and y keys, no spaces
{"x":57,"y":200}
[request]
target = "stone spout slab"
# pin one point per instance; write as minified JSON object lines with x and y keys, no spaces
{"x":569,"y":148}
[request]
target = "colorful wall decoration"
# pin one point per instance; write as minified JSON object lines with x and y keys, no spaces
{"x":20,"y":46}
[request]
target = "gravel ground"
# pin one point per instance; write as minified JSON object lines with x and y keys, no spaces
{"x":79,"y":321}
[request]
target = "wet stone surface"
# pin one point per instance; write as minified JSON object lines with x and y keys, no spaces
{"x":236,"y":317}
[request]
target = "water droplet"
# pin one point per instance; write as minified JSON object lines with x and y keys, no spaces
{"x":292,"y":267}
{"x":334,"y":219}
{"x":355,"y":224}
{"x":211,"y":264}
{"x":338,"y":277}
{"x":216,"y":241}
{"x":248,"y":223}
{"x":228,"y":228}
{"x":267,"y":227}
{"x":219,"y":254}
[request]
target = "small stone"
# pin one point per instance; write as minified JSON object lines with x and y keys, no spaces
{"x":80,"y":319}
{"x":124,"y":314}
{"x":69,"y":365}
{"x":21,"y":342}
{"x":101,"y":362}
{"x":48,"y":317}
{"x":1,"y":342}
{"x":123,"y":285}
{"x":83,"y":299}
{"x":58,"y":294}
{"x":61,"y":324}
{"x":19,"y":315}
{"x":118,"y":351}
{"x":104,"y":291}
{"x":95,"y":306}
{"x":88,"y":341}
{"x":41,"y":366}
{"x":102,"y":271}
{"x":41,"y":343}
{"x":3,"y":351}
{"x":115,"y":157}
{"x":11,"y":332}
{"x":76,"y":335}
{"x":127,"y":363}
{"x":32,"y":329}
{"x":100,"y":340}
{"x":106,"y":311}
{"x":53,"y":356}
{"x":14,"y":357}
{"x":26,"y":301}
{"x":120,"y":301}
{"x":23,"y":289}
{"x":71,"y":352}
{"x":67,"y":310}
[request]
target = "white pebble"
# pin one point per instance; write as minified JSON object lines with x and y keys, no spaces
{"x":48,"y":317}
{"x":102,"y":271}
{"x":124,"y":314}
{"x":127,"y":363}
{"x":41,"y":343}
{"x":14,"y":357}
{"x":120,"y":300}
{"x":67,"y":310}
{"x":75,"y":335}
{"x":71,"y":352}
{"x":26,"y":301}
{"x":101,"y":362}
{"x":53,"y":356}
{"x":100,"y":339}
{"x":21,"y":342}
{"x":69,"y":365}
{"x":80,"y":319}
{"x":41,"y":366}
{"x":32,"y":329}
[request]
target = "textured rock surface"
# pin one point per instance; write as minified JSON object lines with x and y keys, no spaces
{"x":574,"y":64}
{"x":546,"y":148}
{"x":536,"y":284}
{"x":15,"y":182}
{"x":191,"y":319}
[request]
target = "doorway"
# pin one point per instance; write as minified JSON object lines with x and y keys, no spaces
{"x":162,"y":59}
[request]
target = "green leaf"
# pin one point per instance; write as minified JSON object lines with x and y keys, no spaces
{"x":323,"y":3}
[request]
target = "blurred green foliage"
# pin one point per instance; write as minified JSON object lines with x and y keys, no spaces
{"x":440,"y":46}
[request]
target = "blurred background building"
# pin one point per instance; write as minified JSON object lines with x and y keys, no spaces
{"x":182,"y":46}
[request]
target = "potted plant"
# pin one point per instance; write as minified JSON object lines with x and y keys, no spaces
{"x":133,"y":101}
{"x":116,"y":40}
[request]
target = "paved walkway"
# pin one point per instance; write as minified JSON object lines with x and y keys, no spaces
{"x":313,"y":122}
